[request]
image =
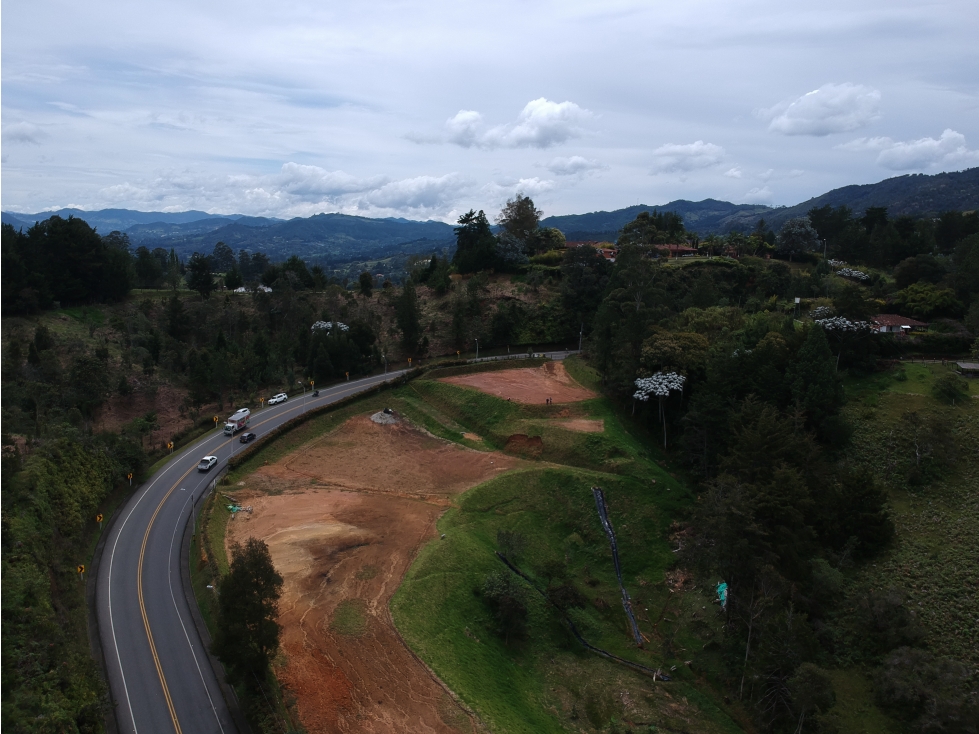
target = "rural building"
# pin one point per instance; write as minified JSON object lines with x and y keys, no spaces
{"x":891,"y":323}
{"x":605,"y":249}
{"x":677,"y":250}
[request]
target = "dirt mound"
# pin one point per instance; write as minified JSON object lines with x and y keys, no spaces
{"x":344,"y":519}
{"x":520,"y":443}
{"x":384,"y":418}
{"x":528,"y":385}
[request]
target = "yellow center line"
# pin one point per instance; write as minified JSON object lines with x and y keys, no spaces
{"x":142,"y":552}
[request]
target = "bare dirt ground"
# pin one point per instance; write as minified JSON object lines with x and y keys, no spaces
{"x":344,"y":518}
{"x":582,"y":425}
{"x":528,"y":385}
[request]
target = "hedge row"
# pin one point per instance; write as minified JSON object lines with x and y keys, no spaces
{"x":943,"y":345}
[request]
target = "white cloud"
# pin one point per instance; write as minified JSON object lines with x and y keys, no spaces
{"x":733,"y":173}
{"x":425,"y":193}
{"x":671,"y":158}
{"x":295,"y":191}
{"x":463,"y":129}
{"x":833,"y":108}
{"x":574,"y":165}
{"x":949,"y":150}
{"x":22,"y":132}
{"x":762,"y":195}
{"x":541,"y":124}
{"x":313,"y":182}
{"x":861,"y":144}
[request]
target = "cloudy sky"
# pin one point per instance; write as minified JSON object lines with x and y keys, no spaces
{"x":426,"y":109}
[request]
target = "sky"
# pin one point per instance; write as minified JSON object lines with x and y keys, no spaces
{"x":425,"y":110}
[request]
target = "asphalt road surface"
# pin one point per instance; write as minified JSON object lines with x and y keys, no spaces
{"x":159,"y":674}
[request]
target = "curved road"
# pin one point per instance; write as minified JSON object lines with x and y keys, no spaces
{"x":160,"y":677}
{"x":159,"y":674}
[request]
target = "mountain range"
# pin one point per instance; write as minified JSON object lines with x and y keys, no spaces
{"x":341,"y":238}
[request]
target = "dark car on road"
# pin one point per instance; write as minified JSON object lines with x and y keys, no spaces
{"x":247,"y":437}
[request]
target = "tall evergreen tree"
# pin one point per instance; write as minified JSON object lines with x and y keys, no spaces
{"x":475,"y":243}
{"x":406,"y":314}
{"x":248,"y":603}
{"x":813,"y":381}
{"x":199,"y":275}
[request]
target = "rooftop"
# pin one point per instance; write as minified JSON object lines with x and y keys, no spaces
{"x":893,"y":319}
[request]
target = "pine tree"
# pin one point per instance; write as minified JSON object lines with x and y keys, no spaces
{"x":407,"y":317}
{"x":248,"y":603}
{"x":813,"y":381}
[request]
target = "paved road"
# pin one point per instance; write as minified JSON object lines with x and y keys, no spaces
{"x":159,"y":675}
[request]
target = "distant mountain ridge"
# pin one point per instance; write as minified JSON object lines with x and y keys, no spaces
{"x":344,"y":238}
{"x":703,"y":217}
{"x":912,"y":194}
{"x":108,"y":220}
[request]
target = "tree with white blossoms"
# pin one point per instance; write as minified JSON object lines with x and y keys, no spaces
{"x":659,"y":386}
{"x":329,"y":326}
{"x":851,"y":273}
{"x":845,"y":332}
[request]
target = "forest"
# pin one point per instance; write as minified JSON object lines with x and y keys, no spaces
{"x":739,"y":359}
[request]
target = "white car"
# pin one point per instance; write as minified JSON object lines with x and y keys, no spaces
{"x":276,"y":399}
{"x":207,"y":463}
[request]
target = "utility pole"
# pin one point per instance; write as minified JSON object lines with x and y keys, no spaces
{"x":581,"y":335}
{"x":477,"y":349}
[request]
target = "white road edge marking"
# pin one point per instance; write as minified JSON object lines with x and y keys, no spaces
{"x":115,"y":543}
{"x":181,"y":620}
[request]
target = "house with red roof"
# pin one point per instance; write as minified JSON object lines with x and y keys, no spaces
{"x":676,"y":250}
{"x":891,"y":323}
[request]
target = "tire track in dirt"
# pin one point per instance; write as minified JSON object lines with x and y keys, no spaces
{"x":344,"y":519}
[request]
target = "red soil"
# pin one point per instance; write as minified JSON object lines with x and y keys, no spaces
{"x":529,"y":385}
{"x":520,"y":443}
{"x":344,"y":518}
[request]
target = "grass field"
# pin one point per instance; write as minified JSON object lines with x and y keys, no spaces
{"x":545,"y":680}
{"x":933,"y":557}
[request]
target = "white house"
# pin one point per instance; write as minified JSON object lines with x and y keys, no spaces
{"x":891,"y":323}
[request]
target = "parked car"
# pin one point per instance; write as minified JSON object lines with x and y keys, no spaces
{"x":276,"y":399}
{"x":207,"y":463}
{"x":247,"y":437}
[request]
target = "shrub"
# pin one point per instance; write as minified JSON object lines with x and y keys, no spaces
{"x":507,"y":599}
{"x":887,"y":623}
{"x":950,"y":388}
{"x":927,"y":691}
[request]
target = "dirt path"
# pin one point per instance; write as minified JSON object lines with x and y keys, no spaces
{"x":344,"y":519}
{"x":529,"y":385}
